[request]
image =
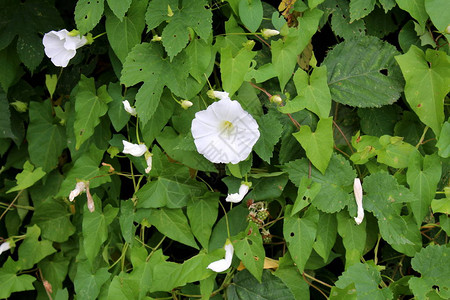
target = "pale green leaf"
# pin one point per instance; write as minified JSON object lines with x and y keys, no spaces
{"x":300,"y":234}
{"x":439,"y":12}
{"x":427,"y":78}
{"x":356,"y":73}
{"x":202,"y":213}
{"x":353,"y":237}
{"x":270,"y":129}
{"x":88,"y":282}
{"x":120,"y":7}
{"x":360,"y":8}
{"x":312,"y":93}
{"x":249,"y":249}
{"x":394,"y":152}
{"x":441,"y":205}
{"x":387,"y":4}
{"x":251,"y":13}
{"x":443,"y":143}
{"x":32,"y":251}
{"x":416,"y":9}
{"x":314,"y":3}
{"x":319,"y":144}
{"x":88,"y":14}
{"x":27,"y":177}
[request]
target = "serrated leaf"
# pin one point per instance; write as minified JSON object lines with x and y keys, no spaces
{"x":32,"y":251}
{"x":88,"y":14}
{"x":360,"y":8}
{"x":120,"y":7}
{"x":125,"y":32}
{"x":353,"y":237}
{"x":30,"y":50}
{"x":95,"y":227}
{"x":251,"y":13}
{"x":379,"y":121}
{"x":53,"y":218}
{"x":385,"y":199}
{"x":312,"y":93}
{"x":5,"y":117}
{"x":423,"y":176}
{"x":355,"y":73}
{"x":202,"y":213}
{"x":336,"y":183}
{"x":10,"y":282}
{"x":172,"y":223}
{"x":433,"y":262}
{"x":46,"y":140}
{"x":340,"y":22}
{"x":416,"y":9}
{"x":88,"y":282}
{"x":234,"y":67}
{"x":427,"y":77}
{"x":271,"y":130}
{"x":443,"y":143}
{"x":366,"y":279}
{"x":319,"y":144}
{"x":27,"y":177}
{"x":300,"y":234}
{"x":89,"y":107}
{"x":245,"y":286}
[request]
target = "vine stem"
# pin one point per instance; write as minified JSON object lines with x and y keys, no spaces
{"x":422,"y":137}
{"x":311,"y":284}
{"x":315,"y":279}
{"x":11,"y":204}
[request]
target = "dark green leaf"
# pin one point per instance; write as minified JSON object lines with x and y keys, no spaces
{"x":120,"y":7}
{"x":353,"y":238}
{"x":88,"y":14}
{"x":202,"y":213}
{"x":249,"y":249}
{"x":360,"y":8}
{"x":270,"y":129}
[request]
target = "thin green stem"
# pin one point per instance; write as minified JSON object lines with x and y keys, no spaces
{"x":11,"y":204}
{"x":226,"y":219}
{"x":422,"y":137}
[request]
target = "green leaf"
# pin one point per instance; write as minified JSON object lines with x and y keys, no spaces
{"x":306,"y":193}
{"x":236,"y":221}
{"x":11,"y":70}
{"x":340,"y":22}
{"x":314,"y":3}
{"x":416,"y":9}
{"x":249,"y":248}
{"x":427,"y":77}
{"x":360,"y":8}
{"x":27,"y":177}
{"x":290,"y":276}
{"x":441,"y":205}
{"x":234,"y":67}
{"x":95,"y":227}
{"x":423,"y":176}
{"x":46,"y":140}
{"x":379,"y":121}
{"x":312,"y":93}
{"x":124,"y":32}
{"x":385,"y":199}
{"x":54,"y":269}
{"x":89,"y":107}
{"x":32,"y":251}
{"x":443,"y":143}
{"x":319,"y":144}
{"x":251,"y":13}
{"x":202,"y":213}
{"x":356,"y":70}
{"x":126,"y":219}
{"x":433,"y":262}
{"x":88,"y":282}
{"x":271,"y":130}
{"x":366,"y":278}
{"x":335,"y":184}
{"x":5,"y":117}
{"x":326,"y":235}
{"x":300,"y":234}
{"x":248,"y":98}
{"x":285,"y":51}
{"x":30,"y":50}
{"x":10,"y":282}
{"x":120,"y":7}
{"x":53,"y":218}
{"x":88,"y":14}
{"x":413,"y":235}
{"x":395,"y":153}
{"x":194,"y":15}
{"x":267,"y":188}
{"x":117,"y":114}
{"x":439,"y":12}
{"x":245,"y":286}
{"x":199,"y":53}
{"x":387,"y":4}
{"x":173,"y":224}
{"x":353,"y":238}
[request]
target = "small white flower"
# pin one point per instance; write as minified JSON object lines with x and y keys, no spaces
{"x":128,"y":108}
{"x":224,"y":132}
{"x":237,"y":197}
{"x":149,"y":160}
{"x":357,"y":190}
{"x":5,"y":247}
{"x":267,"y":33}
{"x":79,"y":188}
{"x":134,"y":149}
{"x":223,"y":264}
{"x":219,"y":95}
{"x":61,"y":46}
{"x":186,"y":104}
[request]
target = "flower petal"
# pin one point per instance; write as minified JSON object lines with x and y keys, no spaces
{"x":223,"y":264}
{"x":358,"y":192}
{"x":134,"y":149}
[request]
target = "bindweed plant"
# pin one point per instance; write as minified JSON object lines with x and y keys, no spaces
{"x":240,"y":149}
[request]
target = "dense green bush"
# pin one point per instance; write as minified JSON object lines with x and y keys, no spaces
{"x":180,"y":192}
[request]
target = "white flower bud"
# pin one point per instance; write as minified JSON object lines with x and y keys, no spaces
{"x":276,"y":99}
{"x":128,"y":108}
{"x":358,"y":192}
{"x":237,"y":197}
{"x":79,"y":188}
{"x":5,"y":247}
{"x":219,"y":95}
{"x":149,"y":160}
{"x":134,"y":149}
{"x":223,"y":264}
{"x":186,"y":104}
{"x":267,"y":33}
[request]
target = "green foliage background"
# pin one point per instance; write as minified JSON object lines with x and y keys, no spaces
{"x":364,"y":87}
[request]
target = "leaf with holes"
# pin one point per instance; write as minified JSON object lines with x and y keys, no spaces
{"x":248,"y":247}
{"x":88,"y":14}
{"x":360,"y":8}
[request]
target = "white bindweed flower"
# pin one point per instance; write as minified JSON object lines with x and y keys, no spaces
{"x":134,"y":149}
{"x":79,"y":188}
{"x":128,"y":108}
{"x":61,"y":46}
{"x":267,"y":33}
{"x":149,"y":160}
{"x":223,"y":264}
{"x":357,"y":190}
{"x":224,"y":132}
{"x":186,"y":104}
{"x":237,"y":197}
{"x":5,"y":247}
